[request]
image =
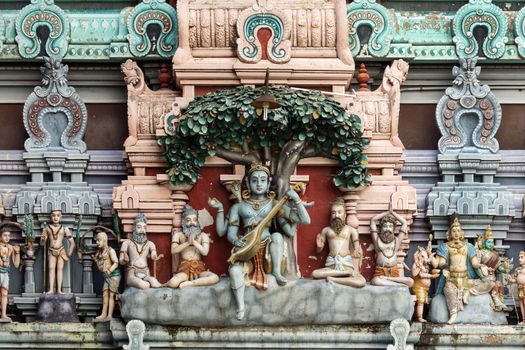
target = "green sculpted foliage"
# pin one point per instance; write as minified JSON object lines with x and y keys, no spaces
{"x":2,"y":32}
{"x":308,"y":124}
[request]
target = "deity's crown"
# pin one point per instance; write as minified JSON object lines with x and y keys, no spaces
{"x":488,"y":233}
{"x":258,"y":167}
{"x":455,"y":223}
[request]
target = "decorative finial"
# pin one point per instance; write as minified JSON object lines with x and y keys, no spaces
{"x":363,"y":78}
{"x":164,"y":76}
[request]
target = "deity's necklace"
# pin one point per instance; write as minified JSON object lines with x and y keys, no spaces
{"x":256,"y":203}
{"x":257,"y":208}
{"x":53,"y":233}
{"x":140,"y":250}
{"x":382,"y":251}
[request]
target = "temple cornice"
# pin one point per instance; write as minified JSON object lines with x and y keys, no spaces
{"x":364,"y":30}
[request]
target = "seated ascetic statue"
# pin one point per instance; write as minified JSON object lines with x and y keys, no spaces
{"x":386,"y":245}
{"x":253,"y":217}
{"x":134,"y":255}
{"x":462,"y":273}
{"x":342,"y":264}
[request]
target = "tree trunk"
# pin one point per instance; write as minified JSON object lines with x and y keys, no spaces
{"x":288,"y":160}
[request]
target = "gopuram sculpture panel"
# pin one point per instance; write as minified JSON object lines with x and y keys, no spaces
{"x":260,"y":201}
{"x":221,"y":124}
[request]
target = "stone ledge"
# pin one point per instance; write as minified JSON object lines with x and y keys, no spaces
{"x":465,"y":336}
{"x":55,"y":336}
{"x":300,"y":302}
{"x":477,"y":311}
{"x":295,"y":337}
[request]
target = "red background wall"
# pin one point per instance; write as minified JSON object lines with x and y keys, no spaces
{"x":320,"y":190}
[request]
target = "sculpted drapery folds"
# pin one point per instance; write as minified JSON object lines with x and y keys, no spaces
{"x":492,"y":265}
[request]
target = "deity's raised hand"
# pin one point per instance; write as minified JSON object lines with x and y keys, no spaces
{"x":215,"y":203}
{"x":293,"y":195}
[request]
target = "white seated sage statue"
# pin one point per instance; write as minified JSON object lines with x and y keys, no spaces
{"x":386,"y":245}
{"x":341,"y":265}
{"x":134,"y":255}
{"x":249,"y":228}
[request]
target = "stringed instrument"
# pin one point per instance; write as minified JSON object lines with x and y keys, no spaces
{"x":253,"y":238}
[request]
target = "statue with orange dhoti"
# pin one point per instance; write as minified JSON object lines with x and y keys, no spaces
{"x":258,"y":212}
{"x":387,"y":242}
{"x":192,"y":244}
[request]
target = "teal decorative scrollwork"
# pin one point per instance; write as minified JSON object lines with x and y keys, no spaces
{"x":2,"y":32}
{"x":368,"y":12}
{"x":249,"y":48}
{"x":153,"y":12}
{"x":42,"y":13}
{"x":468,"y":98}
{"x":480,"y":13}
{"x":519,"y":28}
{"x":55,"y":96}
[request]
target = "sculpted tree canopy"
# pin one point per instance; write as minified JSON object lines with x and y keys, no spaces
{"x":224,"y":123}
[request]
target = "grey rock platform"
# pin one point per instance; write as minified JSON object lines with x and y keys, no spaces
{"x":477,"y":311}
{"x":53,"y":308}
{"x":300,"y":302}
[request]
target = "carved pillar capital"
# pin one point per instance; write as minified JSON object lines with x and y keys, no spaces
{"x":351,"y":198}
